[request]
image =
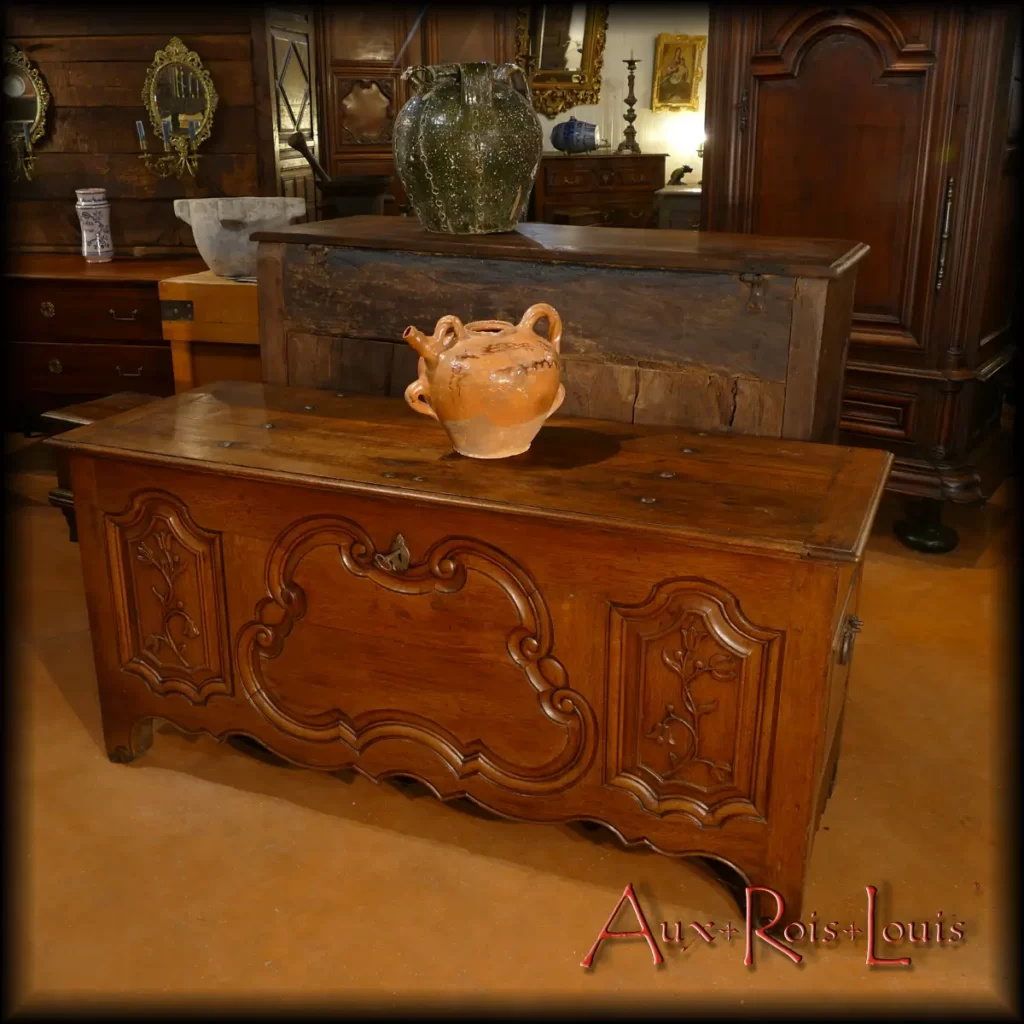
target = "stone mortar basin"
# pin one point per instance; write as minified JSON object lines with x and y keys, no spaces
{"x":222,"y":227}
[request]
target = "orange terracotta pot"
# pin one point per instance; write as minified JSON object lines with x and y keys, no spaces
{"x":491,"y":384}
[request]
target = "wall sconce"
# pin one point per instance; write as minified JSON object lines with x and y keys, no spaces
{"x":700,"y":147}
{"x":181,"y":155}
{"x":180,"y":98}
{"x":25,"y":101}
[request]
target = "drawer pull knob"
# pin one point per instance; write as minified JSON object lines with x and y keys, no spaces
{"x":850,"y":631}
{"x":125,"y":373}
{"x":397,"y":559}
{"x":47,"y":309}
{"x":135,"y":313}
{"x":55,"y":366}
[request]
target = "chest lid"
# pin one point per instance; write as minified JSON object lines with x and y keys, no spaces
{"x":792,"y":497}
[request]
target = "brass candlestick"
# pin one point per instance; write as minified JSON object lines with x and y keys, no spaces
{"x":629,"y":144}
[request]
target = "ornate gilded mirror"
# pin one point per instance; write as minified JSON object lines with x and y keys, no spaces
{"x":25,"y":101}
{"x":181,"y":99}
{"x":561,"y":49}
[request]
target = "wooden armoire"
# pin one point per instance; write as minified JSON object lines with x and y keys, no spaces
{"x":897,"y":127}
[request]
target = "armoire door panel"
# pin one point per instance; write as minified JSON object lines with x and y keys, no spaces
{"x":841,"y":108}
{"x":897,"y":127}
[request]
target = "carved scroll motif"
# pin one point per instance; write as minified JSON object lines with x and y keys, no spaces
{"x":444,"y":569}
{"x":168,"y":574}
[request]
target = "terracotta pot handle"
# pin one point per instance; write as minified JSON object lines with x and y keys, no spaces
{"x":535,"y":313}
{"x":416,"y":391}
{"x":447,"y":331}
{"x":559,"y":399}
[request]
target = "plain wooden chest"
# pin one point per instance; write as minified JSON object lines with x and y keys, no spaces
{"x":708,"y":331}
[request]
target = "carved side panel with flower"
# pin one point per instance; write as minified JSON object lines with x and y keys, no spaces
{"x":695,"y":684}
{"x":171,"y":622}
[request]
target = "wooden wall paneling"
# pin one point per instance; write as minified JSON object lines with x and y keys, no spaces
{"x":365,"y":54}
{"x":72,"y":20}
{"x":462,"y":33}
{"x":95,"y":61}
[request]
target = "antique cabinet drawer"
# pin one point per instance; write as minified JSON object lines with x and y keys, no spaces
{"x":637,"y":214}
{"x":627,"y":175}
{"x":92,"y":369}
{"x":569,"y":178}
{"x":57,"y":309}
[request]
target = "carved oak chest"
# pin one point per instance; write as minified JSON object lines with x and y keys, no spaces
{"x":633,"y":625}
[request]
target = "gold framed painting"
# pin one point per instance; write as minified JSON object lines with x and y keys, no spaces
{"x":678,"y":69}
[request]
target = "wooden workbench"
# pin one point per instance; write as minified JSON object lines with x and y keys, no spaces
{"x":212,"y":324}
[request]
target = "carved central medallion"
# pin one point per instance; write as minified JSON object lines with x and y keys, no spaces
{"x":396,"y":701}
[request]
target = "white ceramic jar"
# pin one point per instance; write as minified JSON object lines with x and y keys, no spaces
{"x":93,"y":210}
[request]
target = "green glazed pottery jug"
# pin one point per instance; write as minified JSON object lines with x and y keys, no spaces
{"x":467,"y":147}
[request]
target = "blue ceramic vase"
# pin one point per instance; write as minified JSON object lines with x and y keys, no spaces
{"x":574,"y":136}
{"x":467,"y":147}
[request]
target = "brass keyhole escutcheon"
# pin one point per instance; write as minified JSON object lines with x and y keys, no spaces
{"x":397,"y":559}
{"x":47,"y":309}
{"x":55,"y":366}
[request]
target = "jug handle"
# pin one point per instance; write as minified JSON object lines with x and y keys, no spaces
{"x":537,"y":312}
{"x":447,"y":331}
{"x":419,"y":75}
{"x":513,"y":74}
{"x":477,"y":84}
{"x":417,"y":394}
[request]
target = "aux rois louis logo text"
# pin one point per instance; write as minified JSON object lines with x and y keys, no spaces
{"x":795,"y":933}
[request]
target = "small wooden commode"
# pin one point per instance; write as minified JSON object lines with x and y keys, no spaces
{"x":212,"y":324}
{"x":634,"y":625}
{"x":616,"y":189}
{"x":85,"y":330}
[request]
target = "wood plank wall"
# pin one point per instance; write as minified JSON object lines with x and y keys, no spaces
{"x":94,"y":61}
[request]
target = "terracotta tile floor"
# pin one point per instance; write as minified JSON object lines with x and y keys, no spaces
{"x":202,"y":873}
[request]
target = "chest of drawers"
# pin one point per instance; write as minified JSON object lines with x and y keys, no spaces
{"x":619,"y":191}
{"x":80,"y":330}
{"x":632,"y":625}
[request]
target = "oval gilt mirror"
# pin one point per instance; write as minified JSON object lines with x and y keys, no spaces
{"x":179,"y":96}
{"x":25,"y":101}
